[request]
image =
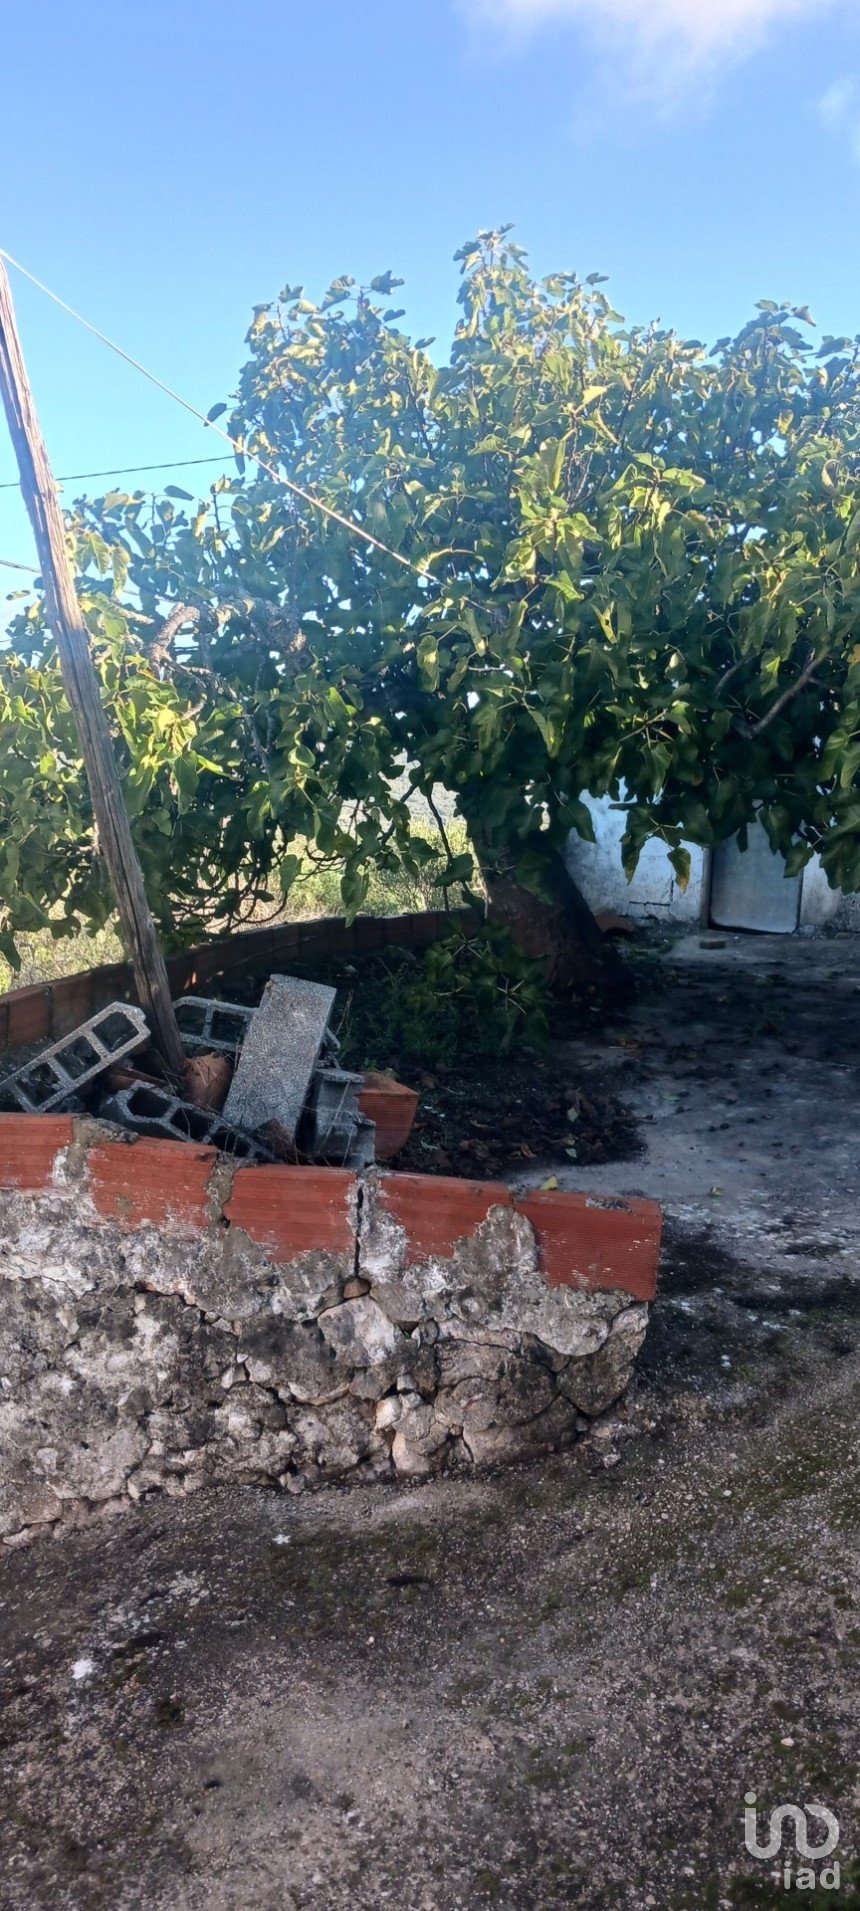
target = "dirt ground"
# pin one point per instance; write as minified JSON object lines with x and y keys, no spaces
{"x":545,"y":1687}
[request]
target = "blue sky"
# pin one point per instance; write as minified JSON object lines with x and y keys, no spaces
{"x":166,"y":166}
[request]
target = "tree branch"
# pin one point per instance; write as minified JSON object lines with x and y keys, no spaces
{"x":727,"y":675}
{"x":162,"y":644}
{"x":755,"y":730}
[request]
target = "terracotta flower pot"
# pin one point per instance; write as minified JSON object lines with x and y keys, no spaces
{"x":393,"y":1107}
{"x":206,"y":1081}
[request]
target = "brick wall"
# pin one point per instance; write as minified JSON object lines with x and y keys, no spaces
{"x":45,"y":1011}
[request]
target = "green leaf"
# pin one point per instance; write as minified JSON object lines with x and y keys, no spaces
{"x":681,"y":863}
{"x":9,"y":950}
{"x":849,"y":766}
{"x":459,"y":870}
{"x":288,"y":870}
{"x":428,"y":662}
{"x":797,"y":858}
{"x":354,"y":885}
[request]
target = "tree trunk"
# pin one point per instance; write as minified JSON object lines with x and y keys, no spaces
{"x":557,"y":928}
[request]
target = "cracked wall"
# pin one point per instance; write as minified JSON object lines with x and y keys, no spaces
{"x":167,"y":1322}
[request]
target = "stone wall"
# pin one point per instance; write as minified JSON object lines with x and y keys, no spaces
{"x":168,"y":1320}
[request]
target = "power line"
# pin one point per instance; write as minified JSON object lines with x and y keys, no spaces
{"x":326,"y":510}
{"x":123,"y":471}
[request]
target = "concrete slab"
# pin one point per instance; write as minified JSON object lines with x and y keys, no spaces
{"x":279,"y":1054}
{"x":750,"y":889}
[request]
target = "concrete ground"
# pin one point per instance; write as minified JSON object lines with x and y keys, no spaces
{"x":545,"y":1687}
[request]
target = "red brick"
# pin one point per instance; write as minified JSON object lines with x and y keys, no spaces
{"x":437,"y":1212}
{"x":147,"y":1180}
{"x":113,"y":983}
{"x":596,"y":1241}
{"x":285,"y":941}
{"x":29,"y":1016}
{"x":287,"y":937}
{"x":369,"y":934}
{"x":207,"y":964}
{"x":71,"y":1004}
{"x":330,"y":935}
{"x":29,"y":1146}
{"x":291,"y":1210}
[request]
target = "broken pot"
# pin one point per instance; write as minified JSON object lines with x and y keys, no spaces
{"x":393,"y":1107}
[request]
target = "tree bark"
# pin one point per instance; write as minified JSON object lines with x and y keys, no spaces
{"x":557,"y":929}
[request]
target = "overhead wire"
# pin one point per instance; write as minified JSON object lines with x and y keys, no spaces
{"x":308,"y":497}
{"x":118,"y":471}
{"x":122,"y":471}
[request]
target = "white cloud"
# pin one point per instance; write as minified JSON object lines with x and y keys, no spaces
{"x":839,"y":111}
{"x":839,"y":102}
{"x":660,"y":42}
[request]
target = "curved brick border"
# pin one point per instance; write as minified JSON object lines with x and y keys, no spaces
{"x":169,"y":1319}
{"x":45,"y":1011}
{"x":590,"y":1242}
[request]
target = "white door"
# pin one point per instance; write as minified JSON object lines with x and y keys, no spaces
{"x":749,"y":888}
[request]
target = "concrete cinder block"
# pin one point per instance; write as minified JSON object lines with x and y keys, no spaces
{"x":278,"y":1058}
{"x":53,"y":1078}
{"x":154,"y":1111}
{"x":217,"y":1028}
{"x":329,"y":1120}
{"x":333,"y":1127}
{"x":362,"y":1151}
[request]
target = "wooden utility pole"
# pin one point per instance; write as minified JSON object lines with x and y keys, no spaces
{"x":82,"y":689}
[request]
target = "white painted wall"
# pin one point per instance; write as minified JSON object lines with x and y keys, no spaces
{"x":654,"y":893}
{"x":819,"y":904}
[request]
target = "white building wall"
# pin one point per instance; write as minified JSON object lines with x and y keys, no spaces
{"x":655,"y":894}
{"x":820,"y":905}
{"x":654,"y":890}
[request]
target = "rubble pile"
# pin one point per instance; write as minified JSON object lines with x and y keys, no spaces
{"x":260,"y":1084}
